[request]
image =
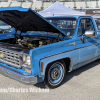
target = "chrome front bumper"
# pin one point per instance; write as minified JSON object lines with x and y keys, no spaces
{"x":26,"y":79}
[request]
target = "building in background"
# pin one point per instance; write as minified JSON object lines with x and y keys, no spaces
{"x":88,"y":6}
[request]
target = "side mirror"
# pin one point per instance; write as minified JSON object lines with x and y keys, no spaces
{"x":89,"y":33}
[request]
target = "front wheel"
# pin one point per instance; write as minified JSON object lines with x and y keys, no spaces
{"x":55,"y":74}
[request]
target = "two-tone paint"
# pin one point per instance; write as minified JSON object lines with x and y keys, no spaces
{"x":71,"y":47}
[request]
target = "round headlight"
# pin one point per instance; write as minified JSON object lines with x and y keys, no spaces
{"x":28,"y":60}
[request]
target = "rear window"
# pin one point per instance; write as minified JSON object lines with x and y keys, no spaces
{"x":67,"y":25}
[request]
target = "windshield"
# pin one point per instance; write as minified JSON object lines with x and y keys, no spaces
{"x":67,"y":25}
{"x":5,"y":27}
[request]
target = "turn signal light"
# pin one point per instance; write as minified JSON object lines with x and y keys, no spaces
{"x":42,"y":67}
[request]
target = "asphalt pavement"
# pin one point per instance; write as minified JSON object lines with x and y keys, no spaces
{"x":81,"y":84}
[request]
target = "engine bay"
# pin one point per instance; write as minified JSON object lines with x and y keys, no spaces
{"x":35,"y":42}
{"x":29,"y":42}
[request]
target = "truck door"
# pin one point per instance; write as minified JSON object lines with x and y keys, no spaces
{"x":87,"y":45}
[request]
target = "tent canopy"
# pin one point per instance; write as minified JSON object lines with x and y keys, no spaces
{"x":58,"y":9}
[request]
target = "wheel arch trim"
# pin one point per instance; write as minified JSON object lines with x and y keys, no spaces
{"x":70,"y":65}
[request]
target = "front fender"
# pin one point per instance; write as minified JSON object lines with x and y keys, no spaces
{"x":46,"y":60}
{"x":50,"y":53}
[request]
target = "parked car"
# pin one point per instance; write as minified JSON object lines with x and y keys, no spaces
{"x":60,"y":45}
{"x":97,"y":20}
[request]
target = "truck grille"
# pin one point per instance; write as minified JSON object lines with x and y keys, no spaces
{"x":9,"y":57}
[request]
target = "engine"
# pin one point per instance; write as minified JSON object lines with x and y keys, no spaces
{"x":30,"y":42}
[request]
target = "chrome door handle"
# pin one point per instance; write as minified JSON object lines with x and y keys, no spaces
{"x":73,"y":43}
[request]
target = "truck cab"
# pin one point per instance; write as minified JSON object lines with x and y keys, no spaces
{"x":53,"y":47}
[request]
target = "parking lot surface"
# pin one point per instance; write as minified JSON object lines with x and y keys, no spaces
{"x":81,"y":84}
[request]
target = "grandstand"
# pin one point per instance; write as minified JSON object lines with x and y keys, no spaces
{"x":15,"y":3}
{"x":26,"y":4}
{"x":38,"y":5}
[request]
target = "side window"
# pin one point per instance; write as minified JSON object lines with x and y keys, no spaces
{"x":84,"y":25}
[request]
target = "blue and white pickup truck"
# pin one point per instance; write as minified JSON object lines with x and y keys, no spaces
{"x":53,"y":47}
{"x":6,"y":31}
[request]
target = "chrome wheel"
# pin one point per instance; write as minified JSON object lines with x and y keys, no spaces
{"x":55,"y":74}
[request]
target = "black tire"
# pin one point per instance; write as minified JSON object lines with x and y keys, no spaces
{"x":55,"y":74}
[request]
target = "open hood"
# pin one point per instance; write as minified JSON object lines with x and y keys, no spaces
{"x":24,"y":19}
